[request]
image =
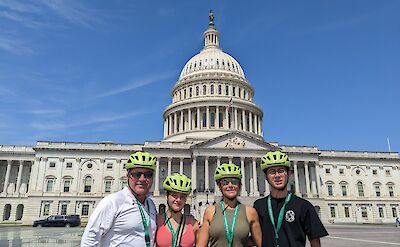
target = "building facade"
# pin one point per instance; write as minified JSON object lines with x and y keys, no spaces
{"x":212,"y":119}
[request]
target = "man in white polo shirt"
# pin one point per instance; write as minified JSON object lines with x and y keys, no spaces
{"x":127,"y":217}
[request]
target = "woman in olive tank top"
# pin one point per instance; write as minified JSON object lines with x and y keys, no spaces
{"x":228,"y":223}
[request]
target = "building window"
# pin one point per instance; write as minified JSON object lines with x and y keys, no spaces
{"x":391,"y":190}
{"x":190,"y":92}
{"x":360,"y":189}
{"x":380,"y":210}
{"x":64,"y":209}
{"x":364,"y":212}
{"x":109,"y":165}
{"x":212,"y":119}
{"x":197,"y":90}
{"x":89,"y":165}
{"x":374,"y":172}
{"x":204,"y":119}
{"x":195,"y":120}
{"x":341,"y":171}
{"x":88,"y":184}
{"x":387,"y":172}
{"x":67,"y":185}
{"x":68,"y":165}
{"x":184,"y":93}
{"x":204,"y":89}
{"x":394,"y":212}
{"x":328,"y":171}
{"x":46,"y":209}
{"x":344,"y":190}
{"x":377,"y":190}
{"x":107,"y":186}
{"x":227,"y":90}
{"x":50,"y":185}
{"x":333,"y":212}
{"x":212,"y":89}
{"x":221,"y":120}
{"x":52,"y":164}
{"x":219,"y":89}
{"x":85,"y":210}
{"x":233,"y":91}
{"x":346,"y":212}
{"x":330,"y":189}
{"x":124,"y":183}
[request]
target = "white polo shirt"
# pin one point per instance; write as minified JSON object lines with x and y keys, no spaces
{"x":116,"y":221}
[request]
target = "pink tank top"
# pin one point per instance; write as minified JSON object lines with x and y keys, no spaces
{"x":164,"y":237}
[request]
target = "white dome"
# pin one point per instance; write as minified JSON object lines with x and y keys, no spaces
{"x":212,"y":59}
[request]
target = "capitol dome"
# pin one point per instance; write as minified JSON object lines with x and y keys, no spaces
{"x":212,"y":96}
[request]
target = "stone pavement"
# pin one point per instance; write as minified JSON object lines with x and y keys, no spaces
{"x":340,"y":235}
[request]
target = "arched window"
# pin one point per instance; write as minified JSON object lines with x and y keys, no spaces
{"x":360,"y":188}
{"x":87,"y":184}
{"x":20,"y":212}
{"x":7,"y":212}
{"x":212,"y":89}
{"x":212,"y":119}
{"x":204,"y":89}
{"x":190,"y":92}
{"x":219,"y":89}
{"x":184,"y":93}
{"x":197,"y":90}
{"x":226,"y":90}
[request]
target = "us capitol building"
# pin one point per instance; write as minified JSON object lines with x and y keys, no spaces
{"x":212,"y":119}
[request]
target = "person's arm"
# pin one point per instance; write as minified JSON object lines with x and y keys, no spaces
{"x":255,"y":227}
{"x":99,"y":223}
{"x":315,"y":242}
{"x":202,"y":240}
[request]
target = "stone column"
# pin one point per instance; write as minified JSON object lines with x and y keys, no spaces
{"x":255,"y":186}
{"x":217,"y":117}
{"x":236,"y":119}
{"x":217,"y":192}
{"x":198,"y":118}
{"x":6,"y":180}
{"x":170,"y":124}
{"x":169,"y":165}
{"x":319,"y":192}
{"x":267,"y":190}
{"x":230,"y":159}
{"x":226,"y":118}
{"x":307,"y":175}
{"x":190,"y":119}
{"x":157,"y":178}
{"x":208,"y":117}
{"x":181,"y":127}
{"x":165,"y":127}
{"x":250,"y":121}
{"x":181,"y":165}
{"x":206,"y":176}
{"x":255,"y":123}
{"x":296,"y":179}
{"x":244,"y":191}
{"x":244,"y":123}
{"x":175,"y":123}
{"x":259,"y":125}
{"x":21,"y":165}
{"x":194,"y":173}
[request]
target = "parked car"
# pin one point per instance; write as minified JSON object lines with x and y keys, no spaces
{"x":59,"y":220}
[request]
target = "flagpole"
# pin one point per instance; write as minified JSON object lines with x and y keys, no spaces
{"x":388,"y":143}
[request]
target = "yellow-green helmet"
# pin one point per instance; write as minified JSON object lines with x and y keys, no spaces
{"x":178,"y":183}
{"x":141,"y":159}
{"x":276,"y":158}
{"x":227,"y":170}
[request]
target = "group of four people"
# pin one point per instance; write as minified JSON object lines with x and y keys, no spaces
{"x":129,"y":217}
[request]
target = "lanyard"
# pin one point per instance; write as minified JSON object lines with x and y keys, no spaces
{"x":145,"y":224}
{"x":229,"y":233}
{"x":174,"y":233}
{"x":280,"y":216}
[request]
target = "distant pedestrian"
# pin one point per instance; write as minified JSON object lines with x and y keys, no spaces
{"x":397,"y":222}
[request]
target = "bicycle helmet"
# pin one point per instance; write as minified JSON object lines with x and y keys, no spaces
{"x":141,"y":159}
{"x":178,"y":183}
{"x":276,"y":158}
{"x":227,"y":170}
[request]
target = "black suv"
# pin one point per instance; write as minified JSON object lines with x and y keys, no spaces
{"x":59,"y":220}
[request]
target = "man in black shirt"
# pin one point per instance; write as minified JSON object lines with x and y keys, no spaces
{"x":286,"y":220}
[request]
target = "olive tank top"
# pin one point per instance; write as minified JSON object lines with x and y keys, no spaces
{"x":217,"y":236}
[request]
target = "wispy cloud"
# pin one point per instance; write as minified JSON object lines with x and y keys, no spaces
{"x":72,"y":11}
{"x":4,"y":92}
{"x":137,"y":84}
{"x":24,"y":7}
{"x":60,"y":125}
{"x":15,"y":46}
{"x":47,"y":112}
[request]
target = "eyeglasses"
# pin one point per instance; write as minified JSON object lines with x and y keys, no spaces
{"x":178,"y":195}
{"x":138,"y":175}
{"x":233,"y":181}
{"x":272,"y":171}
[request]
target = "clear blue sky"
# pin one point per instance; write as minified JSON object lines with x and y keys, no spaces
{"x":326,"y":73}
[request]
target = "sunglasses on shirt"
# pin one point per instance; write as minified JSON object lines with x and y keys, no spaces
{"x":233,"y":181}
{"x":138,"y":175}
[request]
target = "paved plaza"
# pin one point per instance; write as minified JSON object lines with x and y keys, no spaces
{"x":340,"y":235}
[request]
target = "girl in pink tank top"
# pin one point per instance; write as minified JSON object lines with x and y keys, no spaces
{"x":173,"y":227}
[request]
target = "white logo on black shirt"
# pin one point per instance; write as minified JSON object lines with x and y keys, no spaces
{"x":290,"y":216}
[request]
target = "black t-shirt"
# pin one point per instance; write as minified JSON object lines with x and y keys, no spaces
{"x":299,"y":220}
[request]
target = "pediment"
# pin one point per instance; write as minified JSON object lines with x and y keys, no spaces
{"x":236,"y":140}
